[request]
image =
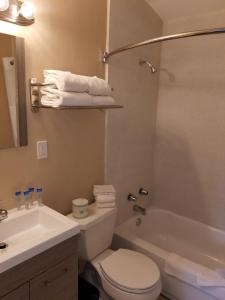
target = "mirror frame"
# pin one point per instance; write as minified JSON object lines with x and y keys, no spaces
{"x":22,"y":110}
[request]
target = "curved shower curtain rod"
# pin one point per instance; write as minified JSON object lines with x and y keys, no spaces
{"x":107,"y":55}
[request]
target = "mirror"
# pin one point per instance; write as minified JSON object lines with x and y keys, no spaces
{"x":13,"y":120}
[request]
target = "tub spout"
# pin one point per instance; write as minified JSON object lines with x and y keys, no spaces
{"x":139,"y":209}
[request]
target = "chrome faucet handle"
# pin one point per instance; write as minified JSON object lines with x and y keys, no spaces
{"x":3,"y":214}
{"x":143,"y":192}
{"x":132,"y":198}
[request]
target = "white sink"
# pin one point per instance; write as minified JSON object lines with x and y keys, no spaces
{"x":30,"y":232}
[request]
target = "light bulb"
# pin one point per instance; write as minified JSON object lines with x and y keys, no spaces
{"x":4,"y":5}
{"x":27,"y":10}
{"x":14,"y":11}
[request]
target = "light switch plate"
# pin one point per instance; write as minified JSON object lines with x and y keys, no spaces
{"x":42,"y":149}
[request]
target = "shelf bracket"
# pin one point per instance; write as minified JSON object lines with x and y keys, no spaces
{"x":35,"y":93}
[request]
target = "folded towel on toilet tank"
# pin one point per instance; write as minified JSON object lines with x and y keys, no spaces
{"x":104,"y":190}
{"x":106,"y":205}
{"x":105,"y":196}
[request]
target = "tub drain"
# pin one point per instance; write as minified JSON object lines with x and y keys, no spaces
{"x":3,"y":245}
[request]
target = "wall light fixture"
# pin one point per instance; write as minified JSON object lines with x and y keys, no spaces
{"x":20,"y":12}
{"x":4,"y":5}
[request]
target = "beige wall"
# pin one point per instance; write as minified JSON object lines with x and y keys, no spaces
{"x":130,"y":131}
{"x":6,"y":136}
{"x":190,"y":148}
{"x":66,"y":35}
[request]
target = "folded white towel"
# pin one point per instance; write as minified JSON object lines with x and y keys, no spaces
{"x":106,"y":205}
{"x":54,"y":98}
{"x":105,"y":198}
{"x":210,"y":278}
{"x":192,"y":273}
{"x":99,"y":87}
{"x":104,"y":190}
{"x":103,"y":100}
{"x":68,"y":82}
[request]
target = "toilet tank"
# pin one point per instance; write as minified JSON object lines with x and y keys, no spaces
{"x":96,"y":231}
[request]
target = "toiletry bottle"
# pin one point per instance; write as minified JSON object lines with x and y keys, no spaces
{"x":26,"y":195}
{"x":40,"y":196}
{"x":32,"y":196}
{"x":18,"y":198}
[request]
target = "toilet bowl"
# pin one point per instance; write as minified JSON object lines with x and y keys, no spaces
{"x":124,"y":274}
{"x":128,"y":275}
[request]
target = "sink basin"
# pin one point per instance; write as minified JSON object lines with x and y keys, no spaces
{"x":30,"y":232}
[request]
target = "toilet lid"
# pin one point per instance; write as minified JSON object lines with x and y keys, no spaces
{"x":130,"y":270}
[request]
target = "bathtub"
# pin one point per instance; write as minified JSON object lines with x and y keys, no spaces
{"x":162,"y":232}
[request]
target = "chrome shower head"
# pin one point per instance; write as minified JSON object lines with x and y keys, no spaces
{"x":149,"y":64}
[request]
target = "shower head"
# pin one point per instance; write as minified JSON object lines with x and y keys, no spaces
{"x":149,"y":64}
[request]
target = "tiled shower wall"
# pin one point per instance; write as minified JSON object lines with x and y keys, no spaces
{"x":130,"y":131}
{"x":190,"y":147}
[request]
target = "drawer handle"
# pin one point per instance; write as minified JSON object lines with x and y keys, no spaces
{"x":47,"y":282}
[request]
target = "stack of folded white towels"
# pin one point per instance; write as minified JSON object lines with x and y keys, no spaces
{"x":105,"y":196}
{"x":69,"y":89}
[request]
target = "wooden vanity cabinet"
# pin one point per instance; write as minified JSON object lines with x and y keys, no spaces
{"x":52,"y":274}
{"x":57,"y":283}
{"x":21,"y":293}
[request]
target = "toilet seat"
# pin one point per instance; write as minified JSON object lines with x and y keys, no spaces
{"x":127,"y":290}
{"x":130,"y":271}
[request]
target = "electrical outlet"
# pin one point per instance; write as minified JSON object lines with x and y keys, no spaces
{"x":42,"y":149}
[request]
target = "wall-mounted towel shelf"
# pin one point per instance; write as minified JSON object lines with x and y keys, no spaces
{"x":35,"y":99}
{"x":35,"y":108}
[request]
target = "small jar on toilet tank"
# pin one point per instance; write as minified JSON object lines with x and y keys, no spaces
{"x":80,"y":208}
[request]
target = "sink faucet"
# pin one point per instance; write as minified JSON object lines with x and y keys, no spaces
{"x":139,"y":209}
{"x":3,"y":214}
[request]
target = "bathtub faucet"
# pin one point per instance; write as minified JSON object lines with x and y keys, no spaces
{"x":143,"y":192}
{"x":139,"y":209}
{"x":132,"y":198}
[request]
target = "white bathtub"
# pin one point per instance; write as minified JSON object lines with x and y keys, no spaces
{"x":161,"y":233}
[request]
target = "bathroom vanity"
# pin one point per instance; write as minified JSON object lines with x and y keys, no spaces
{"x":50,"y":275}
{"x":40,"y":262}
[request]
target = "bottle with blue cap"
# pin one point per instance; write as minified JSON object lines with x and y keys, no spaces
{"x":39,"y":195}
{"x":26,"y":195}
{"x":32,"y":196}
{"x":18,"y":198}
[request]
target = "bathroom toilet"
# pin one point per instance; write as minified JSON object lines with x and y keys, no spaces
{"x":124,"y":274}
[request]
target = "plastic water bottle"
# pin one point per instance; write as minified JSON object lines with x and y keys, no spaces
{"x":39,"y":196}
{"x":18,"y":198}
{"x":32,"y":196}
{"x":26,"y":195}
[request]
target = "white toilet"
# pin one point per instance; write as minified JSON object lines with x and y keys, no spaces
{"x":125,"y":274}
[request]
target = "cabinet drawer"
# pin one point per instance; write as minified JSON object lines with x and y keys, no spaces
{"x":59,"y":282}
{"x":36,"y":265}
{"x":22,"y":293}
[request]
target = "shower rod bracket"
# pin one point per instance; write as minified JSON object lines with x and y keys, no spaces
{"x":105,"y":57}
